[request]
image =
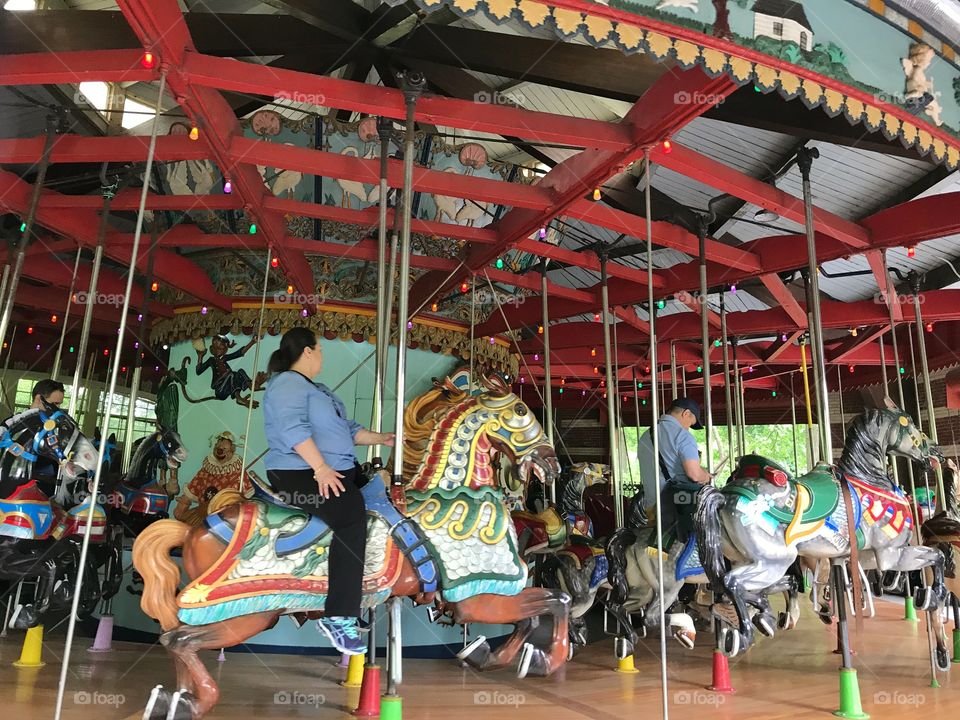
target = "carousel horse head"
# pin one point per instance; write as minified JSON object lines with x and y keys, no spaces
{"x":515,"y":432}
{"x":881,"y":432}
{"x":50,"y":433}
{"x":170,"y":446}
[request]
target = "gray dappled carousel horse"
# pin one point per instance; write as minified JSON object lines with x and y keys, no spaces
{"x":763,"y":520}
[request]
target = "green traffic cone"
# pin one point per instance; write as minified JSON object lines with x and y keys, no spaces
{"x":909,"y":611}
{"x":956,"y":645}
{"x":850,"y":706}
{"x":391,"y":707}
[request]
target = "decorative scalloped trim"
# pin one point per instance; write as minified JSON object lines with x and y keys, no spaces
{"x":790,"y":83}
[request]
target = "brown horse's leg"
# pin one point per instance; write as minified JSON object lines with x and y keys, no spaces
{"x":519,"y":610}
{"x":183,"y":643}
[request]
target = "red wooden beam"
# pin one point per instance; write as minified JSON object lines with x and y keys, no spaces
{"x":888,"y":291}
{"x":115,"y":148}
{"x":56,"y":68}
{"x":780,"y":292}
{"x":722,"y":177}
{"x":654,"y":116}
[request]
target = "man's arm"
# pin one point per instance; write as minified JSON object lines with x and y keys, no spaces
{"x":695,"y":472}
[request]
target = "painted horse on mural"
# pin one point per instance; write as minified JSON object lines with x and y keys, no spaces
{"x":38,"y":537}
{"x":560,"y":539}
{"x":762,"y":520}
{"x":449,"y":541}
{"x":142,"y":496}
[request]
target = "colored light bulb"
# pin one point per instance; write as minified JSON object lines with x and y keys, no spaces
{"x":154,"y":286}
{"x":911,"y":252}
{"x":929,"y":327}
{"x":733,"y":289}
{"x":661,"y":304}
{"x":639,"y":386}
{"x":194,"y":133}
{"x":409,"y":324}
{"x":667,"y":147}
{"x":227,"y":187}
{"x":850,"y":368}
{"x":643,"y":402}
{"x":596,"y":317}
{"x":434,"y":307}
{"x":499,"y":263}
{"x":543,"y":233}
{"x":253,"y":228}
{"x":23,"y":227}
{"x":203,"y":310}
{"x":304,"y":313}
{"x":106,"y":351}
{"x":536,"y":357}
{"x":53,"y":318}
{"x":148,"y":60}
{"x":903,"y":371}
{"x":274,"y":262}
{"x":596,"y":370}
{"x":716,"y":343}
{"x":71,"y":347}
{"x":774,"y":393}
{"x":38,"y":346}
{"x":30,"y":330}
{"x":596,"y":193}
{"x":593,"y":352}
{"x":561,"y":391}
{"x":289,"y":289}
{"x":699,"y":368}
{"x":464,"y":287}
{"x":783,"y":337}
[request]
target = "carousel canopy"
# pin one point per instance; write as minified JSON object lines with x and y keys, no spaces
{"x":543,"y":129}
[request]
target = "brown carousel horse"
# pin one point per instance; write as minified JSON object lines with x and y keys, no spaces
{"x":453,"y":544}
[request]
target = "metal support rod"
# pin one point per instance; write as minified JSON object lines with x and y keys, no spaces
{"x":413,"y":85}
{"x":886,"y":392}
{"x":258,"y":330}
{"x":27,"y":230}
{"x":805,"y":158}
{"x":85,"y":546}
{"x":793,"y":426}
{"x":636,"y":412}
{"x":385,"y":131}
{"x":738,"y":399}
{"x":6,"y":366}
{"x":705,"y":340}
{"x":673,"y":370}
{"x":655,"y":409}
{"x":66,"y":315}
{"x":728,"y":406}
{"x":473,"y":332}
{"x":927,"y":389}
{"x":840,"y":602}
{"x":806,"y":398}
{"x":617,"y":484}
{"x":3,"y":285}
{"x":108,"y":194}
{"x":840,"y":407}
{"x":547,"y":377}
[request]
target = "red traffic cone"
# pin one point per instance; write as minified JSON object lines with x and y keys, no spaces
{"x":369,"y":692}
{"x":721,"y":674}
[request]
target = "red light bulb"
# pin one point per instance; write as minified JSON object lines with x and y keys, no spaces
{"x":148,"y":60}
{"x":274,"y":262}
{"x":667,"y":147}
{"x":464,"y":287}
{"x":911,"y":252}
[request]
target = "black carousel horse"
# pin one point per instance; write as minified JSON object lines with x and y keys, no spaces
{"x":38,"y":538}
{"x":143,"y":494}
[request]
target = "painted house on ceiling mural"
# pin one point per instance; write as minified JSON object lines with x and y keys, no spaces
{"x":782,"y":20}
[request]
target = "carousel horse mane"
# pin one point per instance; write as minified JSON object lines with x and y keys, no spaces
{"x":21,"y":429}
{"x":420,"y":418}
{"x":865,"y":449}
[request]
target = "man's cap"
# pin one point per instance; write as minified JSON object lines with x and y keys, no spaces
{"x":691,"y":405}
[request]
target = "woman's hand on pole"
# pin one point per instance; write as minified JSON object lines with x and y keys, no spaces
{"x":328,"y":480}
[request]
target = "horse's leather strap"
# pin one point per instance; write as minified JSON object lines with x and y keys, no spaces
{"x":854,"y":558}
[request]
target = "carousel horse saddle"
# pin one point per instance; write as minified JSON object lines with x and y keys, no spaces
{"x":548,"y":531}
{"x":27,"y":514}
{"x":151,"y":499}
{"x":316,"y":533}
{"x":581,"y":549}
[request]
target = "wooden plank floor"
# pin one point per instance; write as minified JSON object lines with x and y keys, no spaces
{"x":792,"y":676}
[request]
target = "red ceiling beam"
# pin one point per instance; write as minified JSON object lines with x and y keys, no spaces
{"x":663,"y":233}
{"x":228,"y":74}
{"x":160,"y":26}
{"x":56,"y":68}
{"x":888,"y":291}
{"x":653,"y":117}
{"x":722,"y":177}
{"x":115,"y":148}
{"x":781,"y":293}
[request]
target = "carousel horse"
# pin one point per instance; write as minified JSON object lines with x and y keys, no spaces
{"x":38,"y":538}
{"x":762,"y":520}
{"x":452,"y":543}
{"x":942,"y":531}
{"x":143,"y":494}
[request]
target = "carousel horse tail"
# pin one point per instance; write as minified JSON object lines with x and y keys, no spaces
{"x":151,"y":558}
{"x":616,"y":552}
{"x":708,"y":528}
{"x":224,"y":499}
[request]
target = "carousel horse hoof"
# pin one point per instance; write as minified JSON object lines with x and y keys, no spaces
{"x":182,"y":706}
{"x":924,"y":598}
{"x":476,"y":653}
{"x":570,"y":652}
{"x":622,"y":648}
{"x":764,"y":623}
{"x":943,"y":659}
{"x":157,"y":704}
{"x":685,"y":638}
{"x":533,"y":662}
{"x":894,"y":583}
{"x":729,"y":642}
{"x":25,"y":618}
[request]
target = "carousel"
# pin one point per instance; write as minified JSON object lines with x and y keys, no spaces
{"x":520,"y":229}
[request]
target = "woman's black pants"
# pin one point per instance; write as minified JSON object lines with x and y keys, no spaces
{"x":347,"y":517}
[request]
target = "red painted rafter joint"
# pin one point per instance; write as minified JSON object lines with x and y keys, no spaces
{"x":160,"y":26}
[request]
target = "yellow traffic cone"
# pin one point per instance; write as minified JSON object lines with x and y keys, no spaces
{"x":32,"y":649}
{"x":625,"y":665}
{"x":355,"y":671}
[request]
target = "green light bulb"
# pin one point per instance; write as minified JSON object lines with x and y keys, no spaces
{"x":903,"y":371}
{"x":253,"y":228}
{"x":661,"y":304}
{"x":561,"y":391}
{"x":699,"y":368}
{"x":499,"y":263}
{"x":774,"y":393}
{"x":716,"y":343}
{"x":639,"y":386}
{"x":23,"y":227}
{"x":71,"y":348}
{"x":644,"y":402}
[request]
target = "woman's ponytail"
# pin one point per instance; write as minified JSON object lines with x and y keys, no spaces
{"x":292,"y":345}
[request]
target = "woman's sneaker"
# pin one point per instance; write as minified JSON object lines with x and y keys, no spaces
{"x":344,"y":634}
